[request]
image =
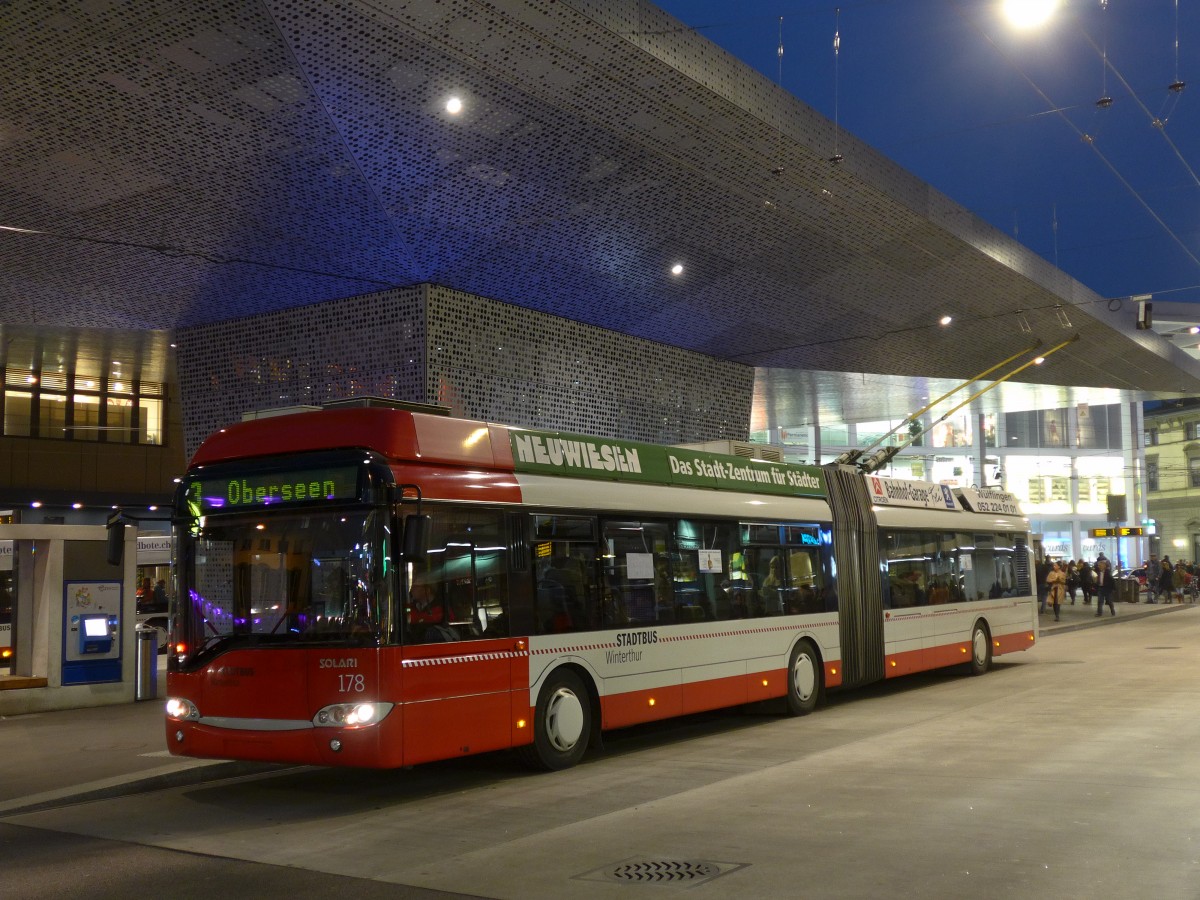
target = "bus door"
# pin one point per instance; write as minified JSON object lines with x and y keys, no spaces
{"x":458,"y":658}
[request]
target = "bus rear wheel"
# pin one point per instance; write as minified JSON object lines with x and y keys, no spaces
{"x":562,"y":724}
{"x":804,"y":679}
{"x":981,"y":649}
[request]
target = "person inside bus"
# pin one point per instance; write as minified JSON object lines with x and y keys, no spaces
{"x":561,"y":590}
{"x":423,"y":607}
{"x":723,"y":604}
{"x":957,"y":593}
{"x":906,"y":590}
{"x":772,"y":588}
{"x":145,"y":595}
{"x":739,"y":578}
{"x":938,"y":592}
{"x":427,"y":616}
{"x":664,"y":592}
{"x":918,"y":592}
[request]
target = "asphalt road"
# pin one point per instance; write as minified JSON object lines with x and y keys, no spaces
{"x":1072,"y":770}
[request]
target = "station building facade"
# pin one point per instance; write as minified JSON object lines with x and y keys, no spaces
{"x":495,"y":361}
{"x":1062,"y":464}
{"x":1172,"y":432}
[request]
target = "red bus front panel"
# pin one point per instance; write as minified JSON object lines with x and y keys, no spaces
{"x":459,"y":698}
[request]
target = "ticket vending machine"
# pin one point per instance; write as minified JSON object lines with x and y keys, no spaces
{"x":91,"y":632}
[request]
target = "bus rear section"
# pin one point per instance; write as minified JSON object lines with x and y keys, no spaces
{"x":959,"y":588}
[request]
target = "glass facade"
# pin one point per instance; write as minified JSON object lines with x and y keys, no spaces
{"x":77,"y":407}
{"x":1061,"y":463}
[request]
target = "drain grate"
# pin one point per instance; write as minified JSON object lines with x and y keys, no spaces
{"x":665,"y":871}
{"x":661,"y":871}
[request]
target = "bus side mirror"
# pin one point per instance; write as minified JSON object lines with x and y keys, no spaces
{"x":417,"y":529}
{"x":114,"y":551}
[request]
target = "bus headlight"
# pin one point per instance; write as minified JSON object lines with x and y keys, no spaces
{"x":351,"y":715}
{"x":181,"y":710}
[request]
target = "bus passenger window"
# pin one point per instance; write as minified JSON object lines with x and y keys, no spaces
{"x":910,"y":562}
{"x":567,"y":594}
{"x":562,"y":594}
{"x":803,"y":592}
{"x":459,"y":590}
{"x":637,"y":573}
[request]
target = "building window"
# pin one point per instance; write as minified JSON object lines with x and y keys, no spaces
{"x":1194,"y":471}
{"x":1152,"y":473}
{"x":1037,"y":428}
{"x":1151,"y":437}
{"x":76,"y":408}
{"x":18,"y":413}
{"x":1098,"y":427}
{"x":1189,"y":431}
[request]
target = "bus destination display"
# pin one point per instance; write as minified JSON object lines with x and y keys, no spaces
{"x":258,"y":489}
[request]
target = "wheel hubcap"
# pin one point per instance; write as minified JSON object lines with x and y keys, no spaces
{"x":564,"y":719}
{"x":980,"y":647}
{"x":804,"y":676}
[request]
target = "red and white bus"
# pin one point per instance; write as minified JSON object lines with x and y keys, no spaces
{"x":379,"y":587}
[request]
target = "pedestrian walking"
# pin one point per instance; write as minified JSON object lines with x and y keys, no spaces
{"x":1056,"y":582}
{"x":1179,"y":581}
{"x":1103,"y":578}
{"x":1041,"y":570}
{"x":1166,"y":580}
{"x":1087,"y":576}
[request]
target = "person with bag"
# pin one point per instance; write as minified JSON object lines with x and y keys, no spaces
{"x":1153,"y":567}
{"x":1056,"y":581}
{"x":1179,"y":580}
{"x":1087,"y":581}
{"x":1166,"y":580}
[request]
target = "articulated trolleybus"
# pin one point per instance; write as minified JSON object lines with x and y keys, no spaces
{"x":380,"y":587}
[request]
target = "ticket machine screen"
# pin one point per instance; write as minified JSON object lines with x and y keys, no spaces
{"x":94,"y":634}
{"x":95,"y":627}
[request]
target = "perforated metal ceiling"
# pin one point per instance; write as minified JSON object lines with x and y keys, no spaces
{"x":179,"y":163}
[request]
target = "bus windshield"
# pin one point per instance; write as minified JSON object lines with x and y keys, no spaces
{"x":285,"y":578}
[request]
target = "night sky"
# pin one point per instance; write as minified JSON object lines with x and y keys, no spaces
{"x":1009,"y":123}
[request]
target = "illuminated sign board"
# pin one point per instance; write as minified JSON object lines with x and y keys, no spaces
{"x":551,"y":453}
{"x":1123,"y":531}
{"x":921,"y":494}
{"x":255,"y":490}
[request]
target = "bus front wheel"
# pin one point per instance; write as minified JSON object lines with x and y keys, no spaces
{"x":981,"y":649}
{"x":804,"y":680}
{"x":562,"y":724}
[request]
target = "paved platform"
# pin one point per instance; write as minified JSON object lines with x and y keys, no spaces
{"x":56,"y":757}
{"x":1067,"y":772}
{"x":1083,"y":615}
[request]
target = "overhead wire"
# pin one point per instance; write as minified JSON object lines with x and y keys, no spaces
{"x":1175,"y":88}
{"x":1084,"y":137}
{"x":837,"y":48}
{"x":1159,"y":124}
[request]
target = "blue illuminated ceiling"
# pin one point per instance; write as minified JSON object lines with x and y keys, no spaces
{"x":170,"y":164}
